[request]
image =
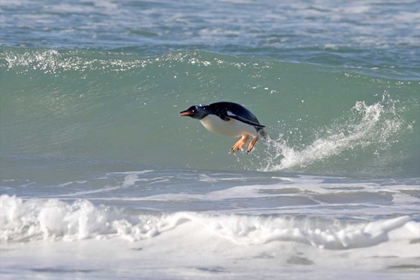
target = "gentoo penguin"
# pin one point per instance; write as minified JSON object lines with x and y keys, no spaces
{"x":229,"y":119}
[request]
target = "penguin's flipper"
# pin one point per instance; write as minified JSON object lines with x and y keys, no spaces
{"x":224,"y":117}
{"x":239,"y":118}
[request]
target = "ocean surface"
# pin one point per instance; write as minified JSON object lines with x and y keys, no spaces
{"x":101,"y":179}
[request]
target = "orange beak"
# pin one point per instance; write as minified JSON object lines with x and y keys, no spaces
{"x":185,"y":113}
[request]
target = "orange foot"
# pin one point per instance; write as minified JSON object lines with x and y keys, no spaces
{"x":240,"y":144}
{"x":252,"y":144}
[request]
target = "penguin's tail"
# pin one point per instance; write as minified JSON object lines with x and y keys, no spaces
{"x":263,"y":134}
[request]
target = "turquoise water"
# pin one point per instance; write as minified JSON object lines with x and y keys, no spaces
{"x":116,"y":106}
{"x":93,"y":151}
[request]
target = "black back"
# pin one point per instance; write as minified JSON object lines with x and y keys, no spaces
{"x":221,"y":109}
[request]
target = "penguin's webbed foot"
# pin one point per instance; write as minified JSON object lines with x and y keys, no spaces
{"x":251,"y":145}
{"x":240,"y":144}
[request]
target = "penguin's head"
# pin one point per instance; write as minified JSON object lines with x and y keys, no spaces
{"x":196,"y":112}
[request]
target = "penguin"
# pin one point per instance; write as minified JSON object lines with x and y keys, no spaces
{"x":229,"y":119}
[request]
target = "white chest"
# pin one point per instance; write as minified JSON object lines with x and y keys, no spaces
{"x":232,"y":127}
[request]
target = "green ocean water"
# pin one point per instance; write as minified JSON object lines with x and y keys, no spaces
{"x":93,"y":151}
{"x":119,"y":106}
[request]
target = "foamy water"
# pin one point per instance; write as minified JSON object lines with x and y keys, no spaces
{"x":375,"y":125}
{"x":203,"y":244}
{"x":305,"y":222}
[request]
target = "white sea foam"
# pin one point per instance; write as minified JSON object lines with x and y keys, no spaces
{"x":199,"y":245}
{"x":365,"y":126}
{"x":53,"y":219}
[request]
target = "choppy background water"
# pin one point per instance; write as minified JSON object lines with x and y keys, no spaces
{"x":92,"y":150}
